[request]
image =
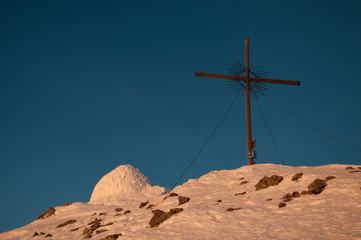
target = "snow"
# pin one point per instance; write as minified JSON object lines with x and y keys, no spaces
{"x":123,"y":183}
{"x":333,"y":214}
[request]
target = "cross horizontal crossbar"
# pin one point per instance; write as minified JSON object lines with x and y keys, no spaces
{"x":238,"y":78}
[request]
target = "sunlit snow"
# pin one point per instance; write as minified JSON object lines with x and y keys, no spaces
{"x":333,"y":214}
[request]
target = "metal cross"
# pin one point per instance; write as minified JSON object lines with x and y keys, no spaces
{"x":247,"y":79}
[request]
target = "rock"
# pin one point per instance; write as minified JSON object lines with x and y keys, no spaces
{"x":244,"y":182}
{"x":151,"y":205}
{"x":100,"y":231}
{"x":349,"y":168}
{"x":287,"y":198}
{"x":159,"y":216}
{"x":95,"y":226}
{"x":119,"y":209}
{"x":296,"y":194}
{"x":102,"y":213}
{"x":317,"y":186}
{"x":241,"y":178}
{"x":35,"y":234}
{"x":112,"y":237}
{"x":297,"y":176}
{"x":219,"y":200}
{"x":75,"y":229}
{"x":127,"y":212}
{"x":88,"y":236}
{"x":305,"y":192}
{"x":269,"y":199}
{"x":183,"y":200}
{"x":48,"y":235}
{"x":266,"y":182}
{"x":66,"y":223}
{"x":67,"y":204}
{"x":353,"y":171}
{"x":242,"y":193}
{"x":87,"y":231}
{"x":96,"y":220}
{"x":50,"y":212}
{"x":232,"y":209}
{"x":173,"y":194}
{"x":281,"y":205}
{"x":143,"y":204}
{"x":330,"y":177}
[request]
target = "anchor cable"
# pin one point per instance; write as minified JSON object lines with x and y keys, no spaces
{"x":269,"y":130}
{"x":313,"y":126}
{"x":204,"y":145}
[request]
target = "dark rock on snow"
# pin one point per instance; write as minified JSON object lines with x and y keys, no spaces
{"x":66,"y":223}
{"x":143,"y":204}
{"x":287,"y":198}
{"x":51,"y":211}
{"x":159,"y":216}
{"x":244,"y":182}
{"x":281,"y":205}
{"x":297,"y":176}
{"x":112,"y":237}
{"x":67,"y":204}
{"x":242,"y":193}
{"x":183,"y":200}
{"x":266,"y":182}
{"x":330,"y":177}
{"x":305,"y":192}
{"x":232,"y":209}
{"x":151,"y":205}
{"x":317,"y":186}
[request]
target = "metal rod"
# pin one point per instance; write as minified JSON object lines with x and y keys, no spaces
{"x":264,"y":80}
{"x":248,"y":105}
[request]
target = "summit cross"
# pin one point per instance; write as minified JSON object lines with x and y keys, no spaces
{"x":247,"y":79}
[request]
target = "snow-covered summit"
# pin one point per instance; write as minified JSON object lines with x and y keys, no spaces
{"x":123,"y":183}
{"x":225,"y":204}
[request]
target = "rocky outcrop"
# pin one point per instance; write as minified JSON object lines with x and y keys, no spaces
{"x":159,"y":216}
{"x":266,"y":182}
{"x":66,"y":223}
{"x":317,"y":186}
{"x":50,"y":212}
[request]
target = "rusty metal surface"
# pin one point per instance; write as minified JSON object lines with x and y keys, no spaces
{"x":248,"y":105}
{"x":237,"y":78}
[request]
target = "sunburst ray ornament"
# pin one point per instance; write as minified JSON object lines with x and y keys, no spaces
{"x":256,"y":88}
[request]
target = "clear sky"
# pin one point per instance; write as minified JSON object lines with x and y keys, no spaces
{"x":86,"y":86}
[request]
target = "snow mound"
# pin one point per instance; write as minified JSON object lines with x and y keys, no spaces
{"x":123,"y":184}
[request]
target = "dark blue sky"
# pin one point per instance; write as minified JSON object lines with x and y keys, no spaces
{"x":86,"y":86}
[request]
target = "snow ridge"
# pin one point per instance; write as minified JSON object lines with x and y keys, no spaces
{"x":222,"y":204}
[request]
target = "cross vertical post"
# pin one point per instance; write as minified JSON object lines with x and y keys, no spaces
{"x":248,"y":105}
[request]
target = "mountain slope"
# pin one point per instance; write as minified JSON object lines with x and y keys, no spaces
{"x":223,"y":205}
